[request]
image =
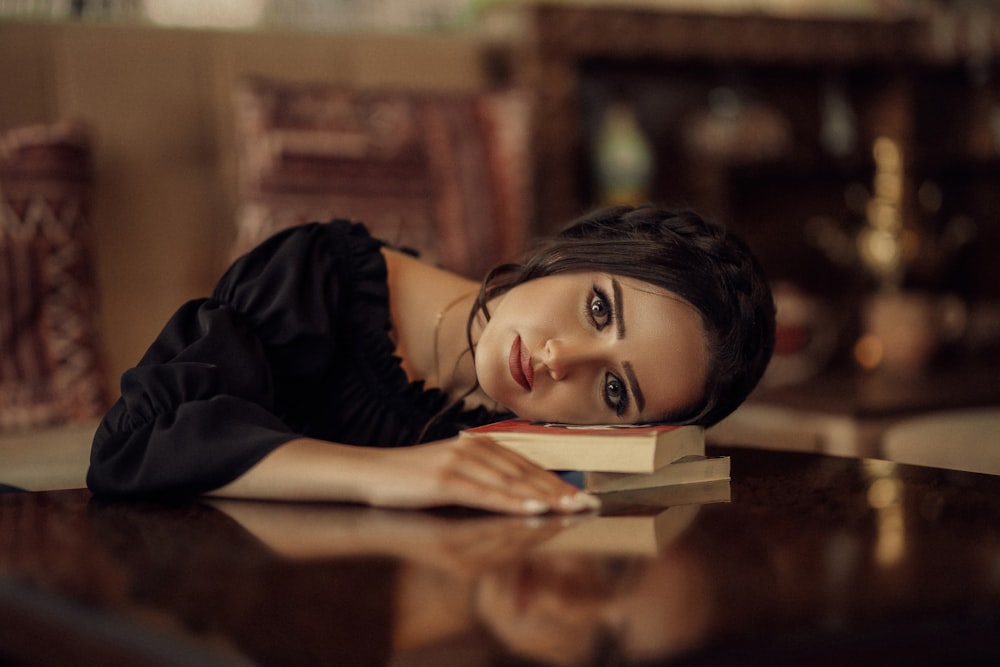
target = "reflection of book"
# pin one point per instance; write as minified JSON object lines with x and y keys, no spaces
{"x":639,"y":534}
{"x":622,"y":449}
{"x":693,"y":469}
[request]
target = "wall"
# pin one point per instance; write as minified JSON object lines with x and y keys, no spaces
{"x":160,"y":104}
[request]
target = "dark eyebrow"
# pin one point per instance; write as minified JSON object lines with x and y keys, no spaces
{"x":616,"y":308}
{"x":640,"y":400}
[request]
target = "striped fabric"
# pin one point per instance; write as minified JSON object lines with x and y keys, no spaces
{"x":446,"y":174}
{"x":50,"y":349}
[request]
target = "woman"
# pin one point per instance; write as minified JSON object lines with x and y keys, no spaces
{"x":324,"y":351}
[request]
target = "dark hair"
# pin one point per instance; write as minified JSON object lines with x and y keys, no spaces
{"x":700,"y":261}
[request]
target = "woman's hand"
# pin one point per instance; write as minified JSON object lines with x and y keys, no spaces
{"x":472,"y":471}
{"x":467,"y":470}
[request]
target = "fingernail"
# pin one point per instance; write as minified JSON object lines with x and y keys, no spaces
{"x":535,"y":506}
{"x":580,"y":501}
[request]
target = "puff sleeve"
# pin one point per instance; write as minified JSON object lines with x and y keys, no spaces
{"x":217,"y":390}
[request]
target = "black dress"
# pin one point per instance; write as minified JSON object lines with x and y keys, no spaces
{"x":294,"y":341}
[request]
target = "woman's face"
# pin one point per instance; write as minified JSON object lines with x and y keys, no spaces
{"x":592,"y":348}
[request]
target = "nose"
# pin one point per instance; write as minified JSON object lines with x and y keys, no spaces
{"x":562,"y":357}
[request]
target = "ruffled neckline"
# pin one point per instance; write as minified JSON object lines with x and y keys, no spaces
{"x":377,"y":344}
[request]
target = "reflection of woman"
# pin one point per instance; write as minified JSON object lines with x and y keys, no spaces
{"x":715,"y":587}
{"x":569,"y":609}
{"x":482,"y":584}
{"x":438,"y":558}
{"x":480,"y":581}
{"x":323,"y":339}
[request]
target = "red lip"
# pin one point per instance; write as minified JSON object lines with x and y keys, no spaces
{"x":519,"y":363}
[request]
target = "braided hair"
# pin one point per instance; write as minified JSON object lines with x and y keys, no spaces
{"x":702,"y":262}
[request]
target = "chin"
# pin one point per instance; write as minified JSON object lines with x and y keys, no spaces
{"x":527,"y":413}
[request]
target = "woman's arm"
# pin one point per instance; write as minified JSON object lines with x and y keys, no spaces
{"x":467,"y":470}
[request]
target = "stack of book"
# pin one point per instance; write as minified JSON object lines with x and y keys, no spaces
{"x":603,"y":459}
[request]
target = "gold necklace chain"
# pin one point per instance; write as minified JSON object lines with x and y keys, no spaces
{"x":438,"y":322}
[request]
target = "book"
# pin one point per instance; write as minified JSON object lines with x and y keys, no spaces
{"x":613,"y":448}
{"x":655,"y":497}
{"x":689,"y":470}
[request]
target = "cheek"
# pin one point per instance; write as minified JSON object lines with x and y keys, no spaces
{"x":486,"y":375}
{"x":492,"y":375}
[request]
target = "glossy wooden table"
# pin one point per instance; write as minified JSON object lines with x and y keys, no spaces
{"x":801,"y":559}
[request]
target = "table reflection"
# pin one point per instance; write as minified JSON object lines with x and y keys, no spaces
{"x":554,"y":590}
{"x":803,"y":558}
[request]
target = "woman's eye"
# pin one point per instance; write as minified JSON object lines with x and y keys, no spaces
{"x":615,"y":394}
{"x":600,"y":310}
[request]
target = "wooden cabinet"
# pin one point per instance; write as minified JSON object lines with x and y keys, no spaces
{"x":770,"y":124}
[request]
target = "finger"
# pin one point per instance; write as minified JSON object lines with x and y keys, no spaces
{"x":535,"y":500}
{"x":515,"y":465}
{"x":473,"y":492}
{"x":512,"y":462}
{"x":499,"y":465}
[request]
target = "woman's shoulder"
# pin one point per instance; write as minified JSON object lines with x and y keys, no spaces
{"x":314,"y":238}
{"x":304,"y":249}
{"x":304,"y":269}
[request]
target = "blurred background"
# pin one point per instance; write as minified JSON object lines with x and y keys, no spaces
{"x":853,"y":143}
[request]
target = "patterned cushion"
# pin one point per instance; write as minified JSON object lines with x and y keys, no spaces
{"x":50,"y":352}
{"x":444,"y":174}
